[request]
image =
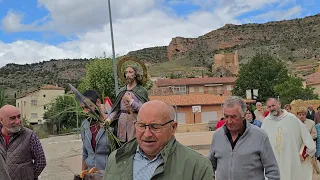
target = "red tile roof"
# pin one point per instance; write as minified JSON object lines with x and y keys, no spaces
{"x":313,"y":78}
{"x":46,"y":87}
{"x":52,"y":87}
{"x":195,"y":81}
{"x":192,"y":99}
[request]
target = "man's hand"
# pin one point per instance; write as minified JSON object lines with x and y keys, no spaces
{"x":127,"y":97}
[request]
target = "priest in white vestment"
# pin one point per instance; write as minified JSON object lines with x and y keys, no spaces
{"x":287,"y":134}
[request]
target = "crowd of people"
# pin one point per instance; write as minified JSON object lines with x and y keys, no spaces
{"x":293,"y":137}
{"x":247,"y":144}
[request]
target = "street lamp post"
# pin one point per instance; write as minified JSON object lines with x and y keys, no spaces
{"x":113,"y":53}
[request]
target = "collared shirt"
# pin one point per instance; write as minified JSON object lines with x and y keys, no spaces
{"x":227,"y":131}
{"x":143,"y":168}
{"x":37,"y":154}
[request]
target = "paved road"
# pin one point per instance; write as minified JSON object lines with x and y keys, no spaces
{"x":63,"y":153}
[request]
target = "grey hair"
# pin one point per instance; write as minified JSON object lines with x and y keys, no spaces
{"x":172,"y":113}
{"x":272,"y":98}
{"x":236,"y":100}
{"x":258,"y":103}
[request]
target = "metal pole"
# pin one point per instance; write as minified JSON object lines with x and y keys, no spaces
{"x":78,"y":132}
{"x":113,"y":53}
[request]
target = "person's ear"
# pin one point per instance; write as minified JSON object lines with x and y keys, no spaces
{"x":174,"y":125}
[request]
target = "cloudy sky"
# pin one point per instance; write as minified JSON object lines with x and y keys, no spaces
{"x":40,"y":30}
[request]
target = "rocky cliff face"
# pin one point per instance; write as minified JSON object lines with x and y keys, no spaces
{"x":180,"y":45}
{"x":290,"y":40}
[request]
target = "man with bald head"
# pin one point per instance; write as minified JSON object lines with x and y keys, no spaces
{"x":155,"y":154}
{"x":25,"y":156}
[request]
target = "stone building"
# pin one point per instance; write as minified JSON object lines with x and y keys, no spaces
{"x":226,"y":64}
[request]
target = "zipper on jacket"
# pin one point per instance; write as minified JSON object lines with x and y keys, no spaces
{"x":233,"y":152}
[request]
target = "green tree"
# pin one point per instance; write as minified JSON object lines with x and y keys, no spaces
{"x":99,"y":77}
{"x":2,"y":96}
{"x":262,"y":72}
{"x":293,"y":89}
{"x":64,"y":112}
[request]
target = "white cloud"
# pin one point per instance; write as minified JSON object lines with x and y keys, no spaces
{"x":154,"y":27}
{"x":277,"y":15}
{"x":13,"y":22}
{"x":22,"y":52}
{"x":137,"y":24}
{"x":78,"y":16}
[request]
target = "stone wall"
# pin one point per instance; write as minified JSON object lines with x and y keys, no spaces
{"x":228,"y":61}
{"x":300,"y":103}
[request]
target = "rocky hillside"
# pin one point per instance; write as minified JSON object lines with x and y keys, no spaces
{"x":21,"y":78}
{"x":295,"y":41}
{"x":291,"y":40}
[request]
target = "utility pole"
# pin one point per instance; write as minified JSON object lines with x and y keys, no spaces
{"x":113,"y":53}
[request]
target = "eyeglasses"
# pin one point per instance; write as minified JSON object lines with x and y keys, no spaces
{"x":152,"y":127}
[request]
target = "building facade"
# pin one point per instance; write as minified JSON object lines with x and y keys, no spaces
{"x":196,"y":108}
{"x":220,"y":86}
{"x":313,"y":80}
{"x":33,"y":105}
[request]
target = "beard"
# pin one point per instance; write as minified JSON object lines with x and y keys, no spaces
{"x":129,"y":80}
{"x":14,"y":129}
{"x":274,"y":112}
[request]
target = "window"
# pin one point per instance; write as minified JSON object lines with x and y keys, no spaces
{"x":18,"y":104}
{"x":179,"y":89}
{"x":33,"y":102}
{"x":24,"y":103}
{"x":191,"y":89}
{"x":209,"y":116}
{"x":34,"y":115}
{"x":201,"y":89}
{"x":181,"y":118}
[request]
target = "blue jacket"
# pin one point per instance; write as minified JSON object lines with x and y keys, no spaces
{"x":318,"y":140}
{"x":98,"y":158}
{"x":256,"y":123}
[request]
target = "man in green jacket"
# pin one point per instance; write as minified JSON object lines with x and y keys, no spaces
{"x":155,"y":154}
